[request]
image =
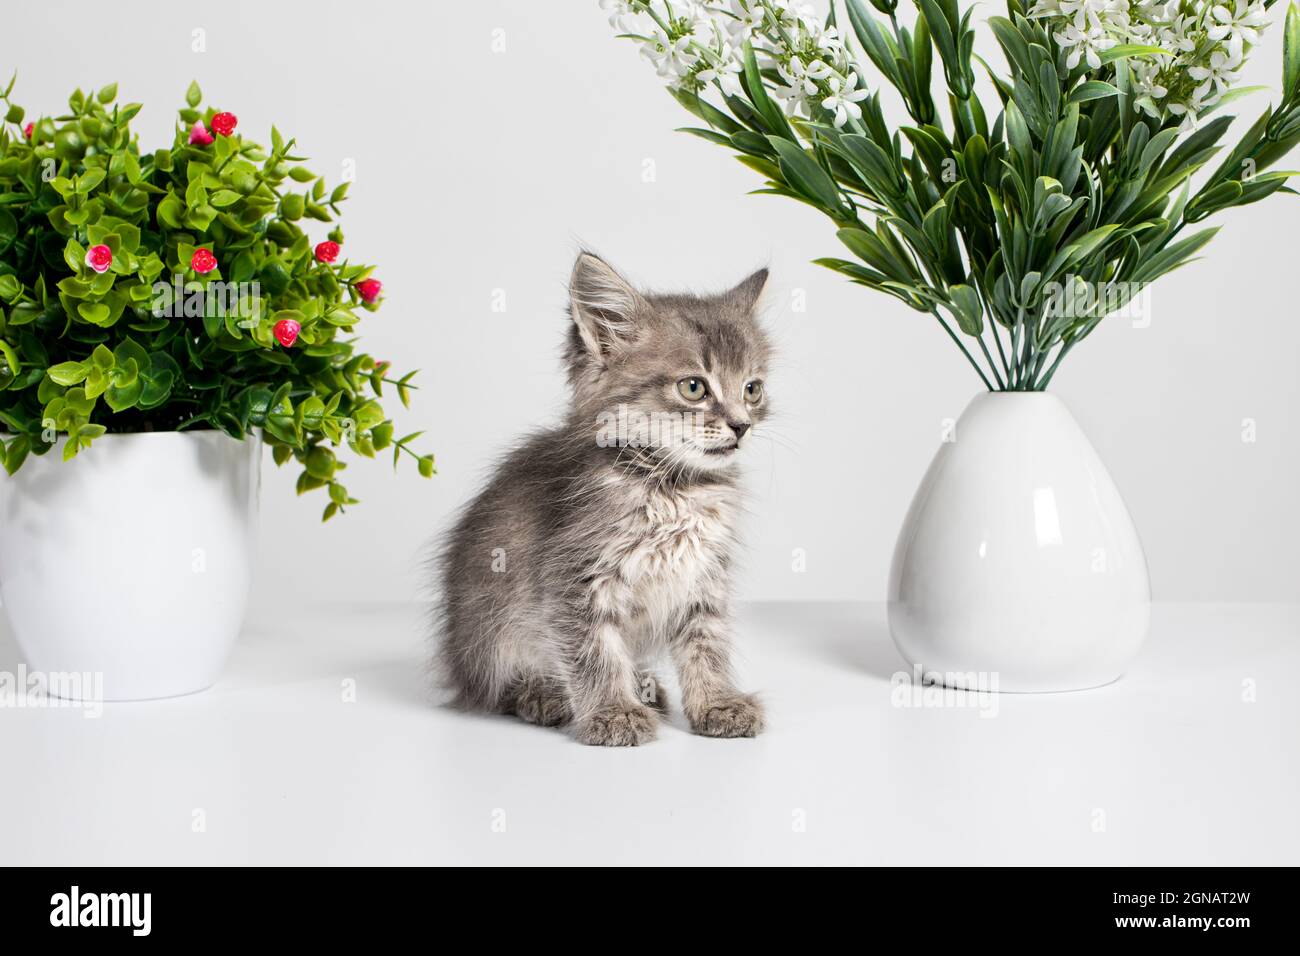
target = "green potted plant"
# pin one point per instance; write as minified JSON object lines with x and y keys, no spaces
{"x":162,"y":316}
{"x":1016,"y":221}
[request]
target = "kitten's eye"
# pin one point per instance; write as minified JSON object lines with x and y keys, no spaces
{"x":692,"y":389}
{"x":754,"y":392}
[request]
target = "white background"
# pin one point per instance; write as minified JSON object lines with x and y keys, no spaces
{"x":479,"y":172}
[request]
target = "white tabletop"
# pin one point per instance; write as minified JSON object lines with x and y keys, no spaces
{"x":1191,"y":759}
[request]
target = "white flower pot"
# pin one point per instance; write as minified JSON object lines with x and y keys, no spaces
{"x":1018,"y":567}
{"x":132,"y":560}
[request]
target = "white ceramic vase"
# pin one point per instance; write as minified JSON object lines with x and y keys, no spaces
{"x":1018,"y":567}
{"x":132,"y":560}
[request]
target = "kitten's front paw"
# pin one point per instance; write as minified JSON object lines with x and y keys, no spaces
{"x":739,"y":716}
{"x":543,"y":703}
{"x":618,"y":727}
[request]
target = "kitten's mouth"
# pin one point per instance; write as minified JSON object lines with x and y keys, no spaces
{"x":721,"y":450}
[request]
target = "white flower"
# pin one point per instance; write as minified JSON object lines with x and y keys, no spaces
{"x":1219,"y":74}
{"x":843,"y":98}
{"x":1156,"y":11}
{"x":1045,"y":8}
{"x":673,"y":59}
{"x":1240,"y":26}
{"x":1207,"y":43}
{"x":791,"y":13}
{"x":621,"y":15}
{"x":1148,"y":89}
{"x":1146,"y":82}
{"x":1188,"y":113}
{"x":800,"y":83}
{"x":1089,"y":15}
{"x":792,"y":100}
{"x":1141,"y":33}
{"x":725,"y":70}
{"x":826,"y":39}
{"x":749,"y":18}
{"x":699,"y":15}
{"x":803,"y":78}
{"x":1084,"y":44}
{"x":1180,"y":35}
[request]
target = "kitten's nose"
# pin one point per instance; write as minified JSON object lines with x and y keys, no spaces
{"x":739,"y":428}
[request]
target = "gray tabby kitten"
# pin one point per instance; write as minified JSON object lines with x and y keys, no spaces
{"x":606,"y":541}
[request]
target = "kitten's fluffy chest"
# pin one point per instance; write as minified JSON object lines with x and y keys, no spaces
{"x":667,"y":548}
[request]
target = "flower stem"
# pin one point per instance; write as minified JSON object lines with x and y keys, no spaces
{"x":1043,"y":382}
{"x":992,"y":365}
{"x":970,"y":358}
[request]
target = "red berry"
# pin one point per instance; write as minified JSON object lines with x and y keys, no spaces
{"x":99,"y":258}
{"x":224,"y":123}
{"x":369,"y":289}
{"x":199,"y":135}
{"x":203,"y":261}
{"x":327,"y":251}
{"x":27,"y":130}
{"x":286,"y":332}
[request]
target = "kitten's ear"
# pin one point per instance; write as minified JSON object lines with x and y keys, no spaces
{"x":604,"y":305}
{"x":746,"y":294}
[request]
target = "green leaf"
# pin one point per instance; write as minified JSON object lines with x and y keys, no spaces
{"x":68,"y":373}
{"x":11,"y":359}
{"x":321,"y":463}
{"x":1076,"y":252}
{"x":97,"y":382}
{"x":867,"y":247}
{"x":1092,"y":90}
{"x":1291,"y":52}
{"x":367,"y":415}
{"x":967,"y":308}
{"x":15,"y":452}
{"x":74,"y":255}
{"x":8,"y":228}
{"x":312,"y":411}
{"x":693,"y":103}
{"x":96,"y":313}
{"x":877,"y":44}
{"x":804,"y":173}
{"x":193,"y":95}
{"x":1123,"y":51}
{"x":1173,"y":256}
{"x":708,"y":134}
{"x":223,"y":198}
{"x":770,"y":111}
{"x":122,"y":397}
{"x":102,"y":357}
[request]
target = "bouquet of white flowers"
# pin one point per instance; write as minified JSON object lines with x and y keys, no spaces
{"x":1043,"y":220}
{"x":1206,"y":44}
